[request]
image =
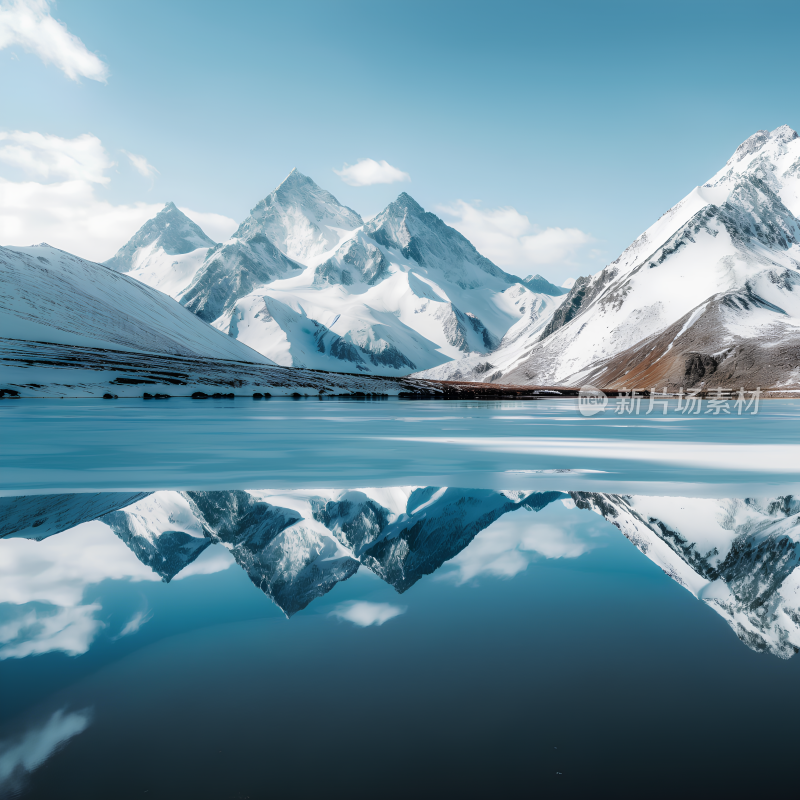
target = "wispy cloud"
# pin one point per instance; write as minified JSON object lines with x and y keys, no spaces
{"x":29,"y":24}
{"x":364,"y":614}
{"x":135,"y":622}
{"x":367,"y":172}
{"x":510,"y":239}
{"x":22,"y":755}
{"x":219,"y":227}
{"x":142,"y":165}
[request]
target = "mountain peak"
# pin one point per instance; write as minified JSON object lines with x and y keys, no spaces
{"x":301,"y":219}
{"x":295,"y":179}
{"x":170,"y":230}
{"x":752,"y":144}
{"x":782,"y":135}
{"x":404,"y":225}
{"x":405,"y":200}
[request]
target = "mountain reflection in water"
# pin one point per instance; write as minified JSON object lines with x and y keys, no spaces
{"x":739,"y":556}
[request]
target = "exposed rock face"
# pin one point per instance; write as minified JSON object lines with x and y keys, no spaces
{"x":231,"y":271}
{"x":421,"y":236}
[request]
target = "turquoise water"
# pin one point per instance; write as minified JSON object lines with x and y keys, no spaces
{"x":291,"y":597}
{"x":80,"y":445}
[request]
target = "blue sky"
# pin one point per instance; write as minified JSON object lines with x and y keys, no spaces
{"x":589,"y":118}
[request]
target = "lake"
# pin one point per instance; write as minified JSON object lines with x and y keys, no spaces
{"x":359,"y":597}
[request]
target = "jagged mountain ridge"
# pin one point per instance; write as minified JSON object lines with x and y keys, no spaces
{"x":712,"y":280}
{"x":307,"y":283}
{"x":739,"y":556}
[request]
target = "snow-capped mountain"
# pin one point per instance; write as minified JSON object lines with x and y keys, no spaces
{"x":161,"y":531}
{"x":708,"y":295}
{"x":165,"y":252}
{"x":738,"y":556}
{"x":307,"y":283}
{"x":300,"y":219}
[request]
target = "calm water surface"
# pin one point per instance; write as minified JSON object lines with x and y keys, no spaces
{"x":239,"y":598}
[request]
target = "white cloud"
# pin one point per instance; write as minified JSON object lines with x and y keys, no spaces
{"x":59,"y":569}
{"x":21,"y":756}
{"x":507,"y":546}
{"x":70,"y":630}
{"x":364,"y":614}
{"x":70,"y":216}
{"x":510,"y":239}
{"x":219,"y":227}
{"x":367,"y":172}
{"x":67,"y":212}
{"x":55,"y":574}
{"x":142,"y":165}
{"x":29,"y":24}
{"x":49,"y":157}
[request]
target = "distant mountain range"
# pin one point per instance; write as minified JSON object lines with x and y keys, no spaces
{"x":306,"y":282}
{"x":739,"y":556}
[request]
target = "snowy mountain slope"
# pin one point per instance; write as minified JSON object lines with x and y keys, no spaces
{"x":231,"y":271}
{"x":306,"y":283}
{"x":536,"y":312}
{"x":738,"y":556}
{"x":291,"y":559}
{"x":70,"y":327}
{"x":438,"y":523}
{"x":165,"y":252}
{"x":41,"y":515}
{"x":295,"y":222}
{"x":722,"y":262}
{"x":52,"y":296}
